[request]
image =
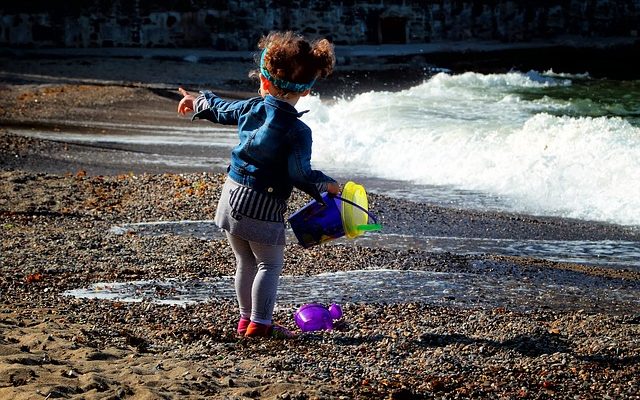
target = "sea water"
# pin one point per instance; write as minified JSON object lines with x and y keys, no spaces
{"x":484,"y":290}
{"x":615,"y":254}
{"x":538,"y":143}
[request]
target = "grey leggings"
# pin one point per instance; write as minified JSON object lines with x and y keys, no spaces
{"x":258,"y":268}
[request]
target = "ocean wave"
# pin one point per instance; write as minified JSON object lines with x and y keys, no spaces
{"x":480,"y":132}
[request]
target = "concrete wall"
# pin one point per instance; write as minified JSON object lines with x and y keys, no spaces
{"x":238,"y":24}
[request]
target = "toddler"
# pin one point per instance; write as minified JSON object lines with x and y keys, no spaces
{"x":273,"y":156}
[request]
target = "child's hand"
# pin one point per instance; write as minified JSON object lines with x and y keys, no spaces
{"x":333,"y":188}
{"x":186,"y":104}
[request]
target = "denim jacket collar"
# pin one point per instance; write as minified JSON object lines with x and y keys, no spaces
{"x":283,"y":106}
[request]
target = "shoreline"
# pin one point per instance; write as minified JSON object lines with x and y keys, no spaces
{"x":37,"y":156}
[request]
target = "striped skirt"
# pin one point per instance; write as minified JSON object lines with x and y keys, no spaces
{"x":251,"y":215}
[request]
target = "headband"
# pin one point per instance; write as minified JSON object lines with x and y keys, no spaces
{"x":282,"y":84}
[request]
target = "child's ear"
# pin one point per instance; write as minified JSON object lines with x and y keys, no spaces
{"x":306,"y":92}
{"x":264,"y":82}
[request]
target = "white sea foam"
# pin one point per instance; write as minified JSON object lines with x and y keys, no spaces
{"x":483,"y":133}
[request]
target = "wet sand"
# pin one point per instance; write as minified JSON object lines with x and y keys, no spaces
{"x":58,"y":204}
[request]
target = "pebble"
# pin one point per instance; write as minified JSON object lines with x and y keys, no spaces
{"x":406,"y":350}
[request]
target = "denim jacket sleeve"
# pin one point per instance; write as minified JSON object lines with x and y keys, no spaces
{"x":211,"y":107}
{"x":302,"y":176}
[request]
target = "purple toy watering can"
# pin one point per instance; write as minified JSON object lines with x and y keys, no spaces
{"x":317,"y":317}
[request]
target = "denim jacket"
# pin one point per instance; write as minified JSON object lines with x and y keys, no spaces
{"x":274,"y":153}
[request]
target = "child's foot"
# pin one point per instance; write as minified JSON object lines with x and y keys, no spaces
{"x":273,"y":331}
{"x":242,"y":325}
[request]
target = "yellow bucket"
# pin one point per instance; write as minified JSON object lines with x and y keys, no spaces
{"x":355,"y":215}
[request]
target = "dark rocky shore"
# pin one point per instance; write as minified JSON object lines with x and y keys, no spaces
{"x":56,"y":212}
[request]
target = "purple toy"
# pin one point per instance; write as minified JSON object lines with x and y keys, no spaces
{"x":316,"y":317}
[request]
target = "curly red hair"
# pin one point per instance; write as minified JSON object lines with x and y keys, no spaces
{"x":290,"y":57}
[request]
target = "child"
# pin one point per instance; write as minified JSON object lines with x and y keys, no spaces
{"x":272,"y":157}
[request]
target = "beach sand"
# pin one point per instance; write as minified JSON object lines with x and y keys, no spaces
{"x":57,"y":208}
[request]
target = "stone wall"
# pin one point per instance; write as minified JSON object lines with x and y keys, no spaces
{"x":238,"y":24}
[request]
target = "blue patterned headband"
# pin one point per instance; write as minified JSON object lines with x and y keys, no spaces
{"x":282,"y":84}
